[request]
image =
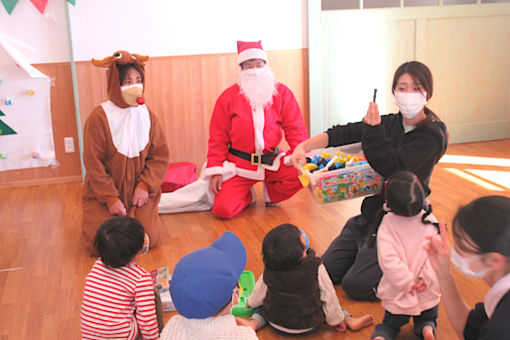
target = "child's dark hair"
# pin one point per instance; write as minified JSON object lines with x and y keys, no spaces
{"x":484,"y":226}
{"x":282,"y":248}
{"x":404,"y":197}
{"x":118,"y":240}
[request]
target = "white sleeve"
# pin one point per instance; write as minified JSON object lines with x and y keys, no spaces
{"x":330,"y":304}
{"x":258,"y":294}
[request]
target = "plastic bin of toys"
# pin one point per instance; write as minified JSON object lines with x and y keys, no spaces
{"x":348,"y":176}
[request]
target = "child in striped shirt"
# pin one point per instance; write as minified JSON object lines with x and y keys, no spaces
{"x":118,"y":300}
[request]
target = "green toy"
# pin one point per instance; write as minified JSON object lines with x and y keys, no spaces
{"x":246,"y":285}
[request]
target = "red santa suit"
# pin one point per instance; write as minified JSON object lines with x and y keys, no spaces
{"x":240,"y":125}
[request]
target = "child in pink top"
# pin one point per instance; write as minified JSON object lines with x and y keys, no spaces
{"x":409,"y":286}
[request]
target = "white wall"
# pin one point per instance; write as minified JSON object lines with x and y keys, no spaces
{"x":158,"y":28}
{"x":177,"y":27}
{"x":46,"y":35}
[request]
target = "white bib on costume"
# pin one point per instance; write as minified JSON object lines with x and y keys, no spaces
{"x":258,"y":127}
{"x":130,"y":127}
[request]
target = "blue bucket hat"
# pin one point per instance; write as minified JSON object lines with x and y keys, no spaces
{"x":203,"y":281}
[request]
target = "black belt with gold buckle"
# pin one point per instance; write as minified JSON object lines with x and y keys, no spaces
{"x":256,"y":158}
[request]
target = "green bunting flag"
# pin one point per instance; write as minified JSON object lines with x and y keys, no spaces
{"x":73,"y":2}
{"x":4,"y":128}
{"x":9,"y":5}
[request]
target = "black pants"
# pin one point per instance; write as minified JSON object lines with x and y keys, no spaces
{"x":392,"y":323}
{"x":351,"y":263}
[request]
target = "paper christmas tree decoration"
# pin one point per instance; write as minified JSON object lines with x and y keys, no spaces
{"x":4,"y":128}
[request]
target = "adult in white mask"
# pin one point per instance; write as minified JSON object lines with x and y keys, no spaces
{"x":481,"y":233}
{"x":125,"y":153}
{"x":412,"y":140}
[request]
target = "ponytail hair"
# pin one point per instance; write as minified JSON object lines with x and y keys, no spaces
{"x":428,"y":211}
{"x":404,"y":197}
{"x":372,"y":239}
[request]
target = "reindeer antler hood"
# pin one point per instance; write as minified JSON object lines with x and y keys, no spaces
{"x":112,"y":76}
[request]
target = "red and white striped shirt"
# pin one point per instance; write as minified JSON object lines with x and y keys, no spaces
{"x":117,"y":303}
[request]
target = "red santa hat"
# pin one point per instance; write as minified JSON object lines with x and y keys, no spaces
{"x":250,"y":50}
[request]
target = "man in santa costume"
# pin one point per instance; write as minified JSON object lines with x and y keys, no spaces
{"x":247,"y":125}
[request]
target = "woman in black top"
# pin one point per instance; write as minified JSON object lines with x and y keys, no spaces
{"x":412,"y":140}
{"x":481,"y":232}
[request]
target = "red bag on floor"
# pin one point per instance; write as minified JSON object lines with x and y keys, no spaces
{"x":178,"y":175}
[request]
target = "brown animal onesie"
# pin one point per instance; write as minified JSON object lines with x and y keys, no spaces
{"x":124,"y":148}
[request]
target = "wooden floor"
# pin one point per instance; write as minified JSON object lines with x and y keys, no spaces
{"x":40,"y":297}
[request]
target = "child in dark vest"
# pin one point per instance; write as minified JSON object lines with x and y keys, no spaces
{"x":295,"y":294}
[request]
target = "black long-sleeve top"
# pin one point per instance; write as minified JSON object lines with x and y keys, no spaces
{"x":480,"y":327}
{"x":389,"y":149}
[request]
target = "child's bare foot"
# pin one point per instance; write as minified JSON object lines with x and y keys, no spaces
{"x":356,"y":324}
{"x":250,"y":323}
{"x":428,"y":333}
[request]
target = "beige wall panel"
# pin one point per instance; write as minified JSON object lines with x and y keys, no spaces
{"x":63,"y":121}
{"x":401,"y":48}
{"x":91,"y":87}
{"x":362,"y":54}
{"x":470,"y":60}
{"x":466,"y":47}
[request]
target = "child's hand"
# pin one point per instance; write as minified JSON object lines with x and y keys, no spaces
{"x":240,"y":321}
{"x":419,"y":287}
{"x":438,"y":251}
{"x":341,"y":327}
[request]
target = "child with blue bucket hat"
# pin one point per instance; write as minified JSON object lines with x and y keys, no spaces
{"x":203,"y":289}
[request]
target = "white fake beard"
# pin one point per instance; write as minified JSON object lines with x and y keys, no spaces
{"x":258,"y":85}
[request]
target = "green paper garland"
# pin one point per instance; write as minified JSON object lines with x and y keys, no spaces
{"x":9,"y":5}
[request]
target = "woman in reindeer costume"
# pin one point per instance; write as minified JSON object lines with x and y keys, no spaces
{"x":125,"y":153}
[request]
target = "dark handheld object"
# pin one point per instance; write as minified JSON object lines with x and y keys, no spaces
{"x":375,"y":94}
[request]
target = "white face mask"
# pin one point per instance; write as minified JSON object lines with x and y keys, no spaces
{"x":130,"y":93}
{"x":462,"y":264}
{"x":410,"y":103}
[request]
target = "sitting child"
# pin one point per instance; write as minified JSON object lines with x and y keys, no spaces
{"x":203,"y":289}
{"x":118,"y":300}
{"x":295,"y":291}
